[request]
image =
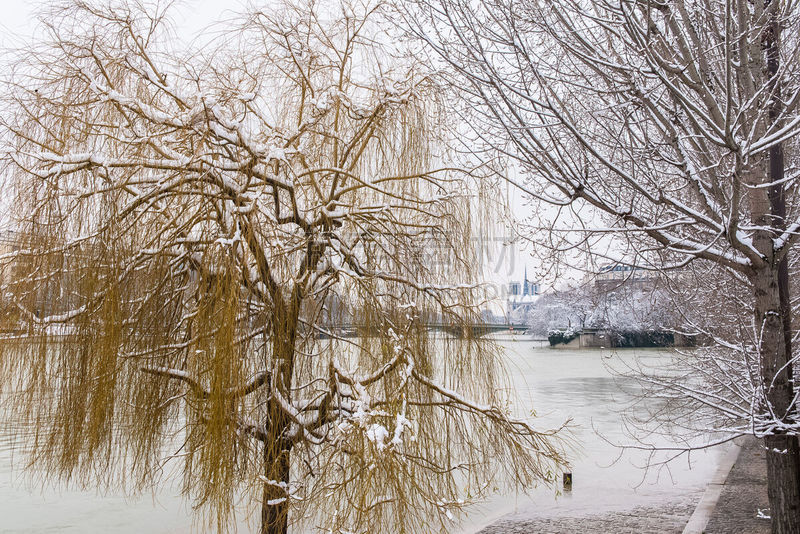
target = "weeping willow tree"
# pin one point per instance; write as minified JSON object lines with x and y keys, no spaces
{"x":226,"y":261}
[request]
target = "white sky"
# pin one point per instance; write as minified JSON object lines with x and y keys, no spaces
{"x":19,"y":16}
{"x":16,"y":19}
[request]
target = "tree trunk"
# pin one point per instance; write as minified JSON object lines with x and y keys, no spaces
{"x":784,"y":494}
{"x":782,"y":483}
{"x":275,"y":496}
{"x":275,"y":500}
{"x":277,"y":449}
{"x":277,"y":452}
{"x":783,"y":468}
{"x":773,"y":311}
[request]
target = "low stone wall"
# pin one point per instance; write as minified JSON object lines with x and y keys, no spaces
{"x":609,"y":339}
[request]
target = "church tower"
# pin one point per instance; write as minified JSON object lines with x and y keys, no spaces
{"x":526,"y":289}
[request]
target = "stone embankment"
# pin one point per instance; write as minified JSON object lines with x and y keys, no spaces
{"x":743,"y":504}
{"x":737,"y":505}
{"x":669,"y":518}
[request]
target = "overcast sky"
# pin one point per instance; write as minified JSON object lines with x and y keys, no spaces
{"x":19,"y":16}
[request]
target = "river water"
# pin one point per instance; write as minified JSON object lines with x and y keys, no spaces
{"x":582,"y":386}
{"x":556,"y":383}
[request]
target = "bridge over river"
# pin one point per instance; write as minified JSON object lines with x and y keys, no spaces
{"x":456,"y":330}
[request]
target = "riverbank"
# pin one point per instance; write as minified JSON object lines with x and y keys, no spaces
{"x":667,"y":518}
{"x":742,"y":507}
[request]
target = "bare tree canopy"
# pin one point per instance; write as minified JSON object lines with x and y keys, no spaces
{"x":193,"y":232}
{"x":677,"y":121}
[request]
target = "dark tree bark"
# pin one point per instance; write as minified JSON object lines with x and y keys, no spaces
{"x":277,"y":448}
{"x":773,"y":310}
{"x":781,"y":449}
{"x":275,"y":500}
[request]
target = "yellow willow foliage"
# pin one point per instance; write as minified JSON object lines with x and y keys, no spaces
{"x":226,"y":264}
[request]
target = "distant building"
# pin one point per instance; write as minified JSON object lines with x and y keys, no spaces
{"x":522,"y":295}
{"x":614,"y":275}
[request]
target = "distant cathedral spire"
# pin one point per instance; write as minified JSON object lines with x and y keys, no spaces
{"x":525,"y":286}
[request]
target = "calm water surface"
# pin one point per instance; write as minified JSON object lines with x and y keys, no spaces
{"x":579,"y":384}
{"x":557,"y":384}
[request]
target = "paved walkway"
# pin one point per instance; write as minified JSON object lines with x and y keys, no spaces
{"x":743,"y":495}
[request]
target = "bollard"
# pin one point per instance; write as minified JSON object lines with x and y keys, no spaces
{"x":567,"y":481}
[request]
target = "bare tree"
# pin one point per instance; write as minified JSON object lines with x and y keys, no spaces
{"x":672,"y":120}
{"x":196,"y":235}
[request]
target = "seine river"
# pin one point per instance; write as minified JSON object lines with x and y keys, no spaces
{"x":579,"y":384}
{"x":557,"y":383}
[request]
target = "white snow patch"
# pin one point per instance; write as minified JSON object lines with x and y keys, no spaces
{"x":377,"y":434}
